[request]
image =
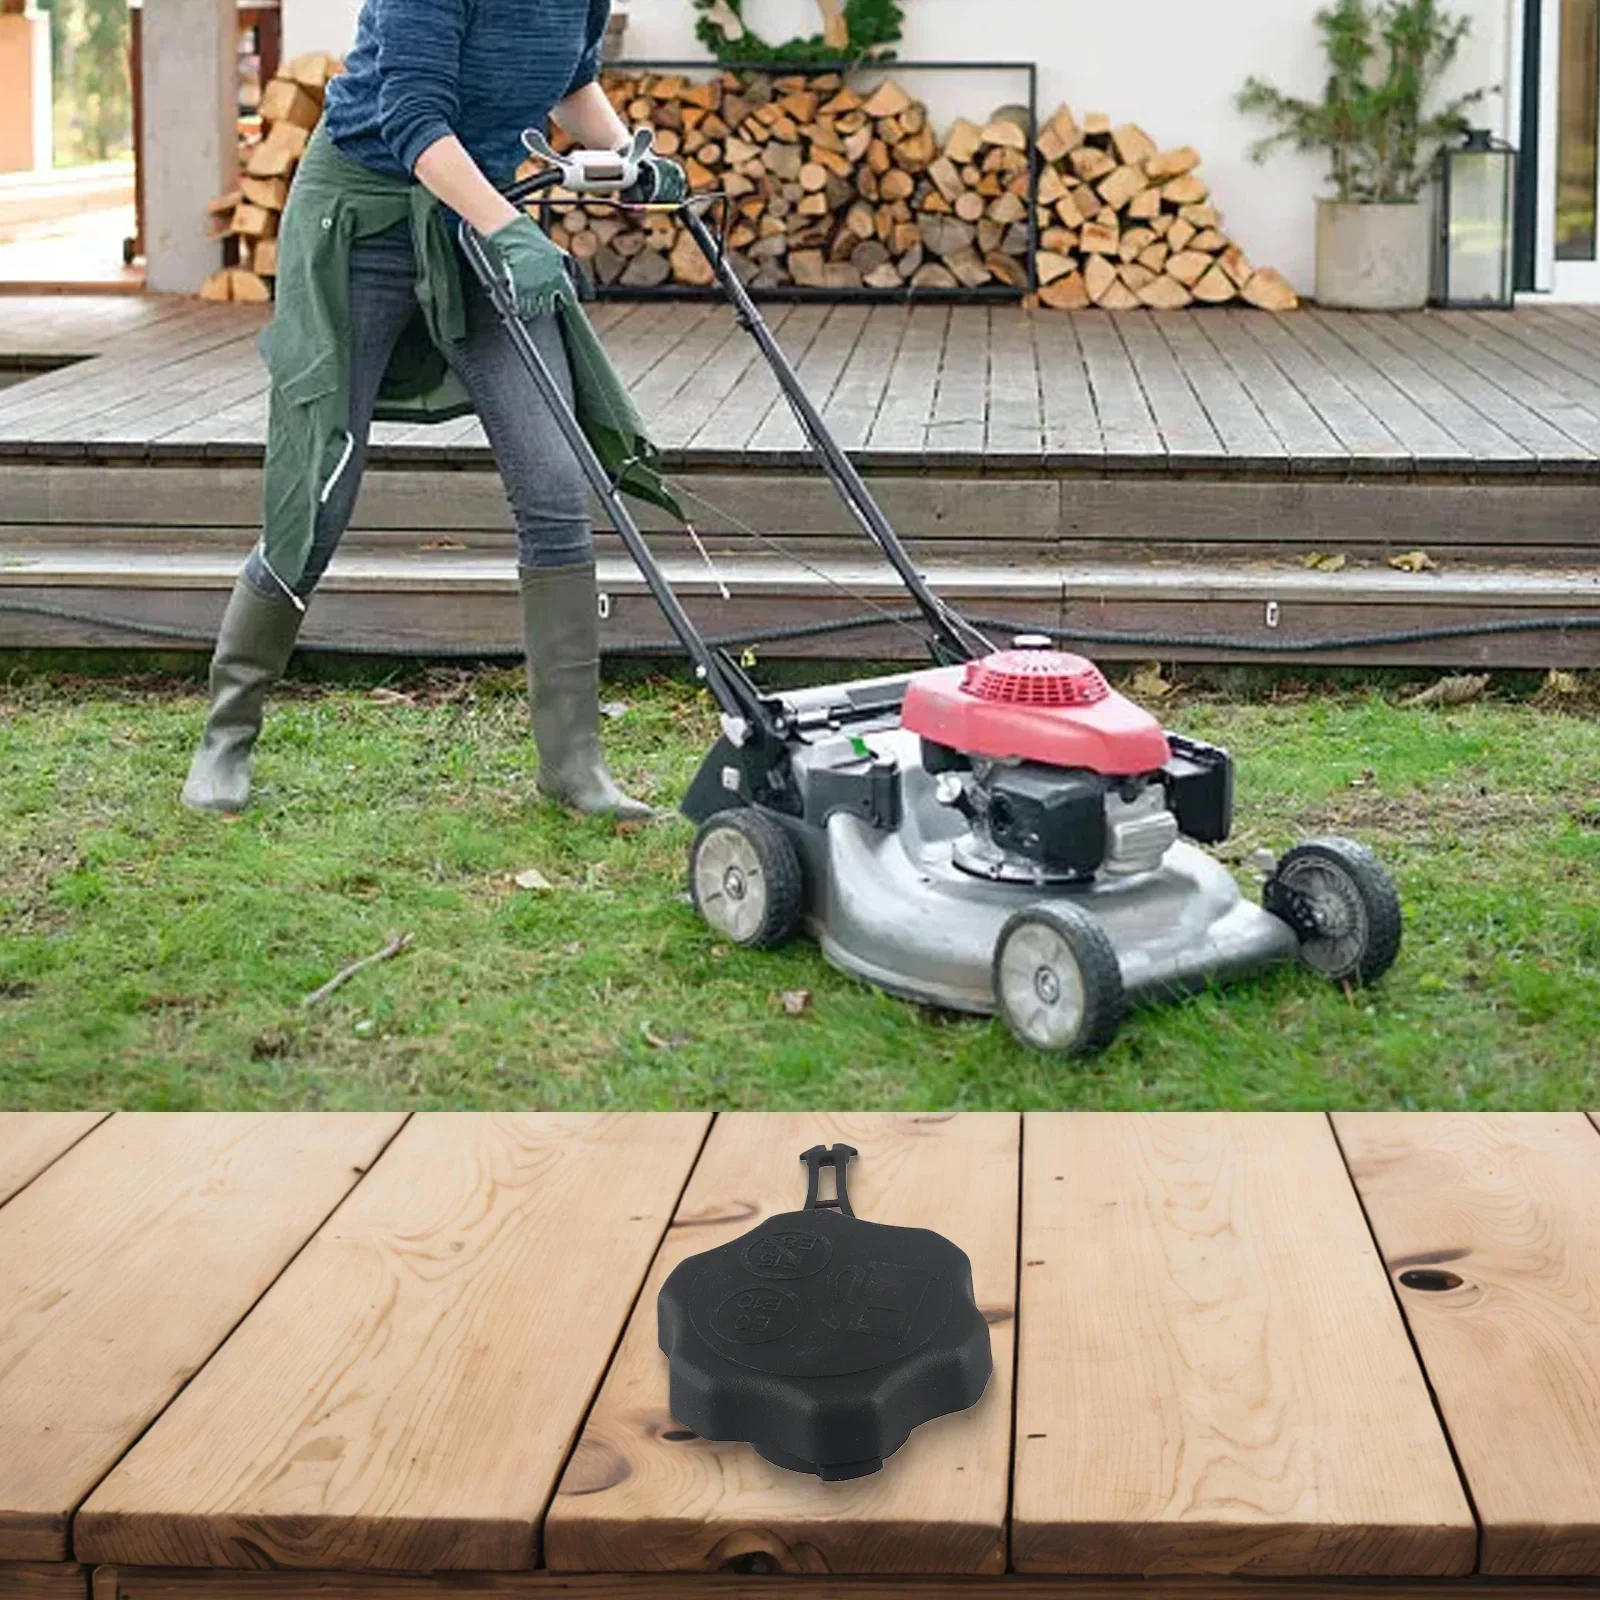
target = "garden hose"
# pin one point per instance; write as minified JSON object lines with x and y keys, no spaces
{"x":177,"y":634}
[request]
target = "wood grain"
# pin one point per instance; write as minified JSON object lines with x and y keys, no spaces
{"x":1510,"y":1206}
{"x":124,"y":1265}
{"x":406,"y":1395}
{"x":1213,"y":1374}
{"x":47,"y":1580}
{"x":31,"y":1140}
{"x":640,"y":1496}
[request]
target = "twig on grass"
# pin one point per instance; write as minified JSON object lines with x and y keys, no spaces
{"x":397,"y":946}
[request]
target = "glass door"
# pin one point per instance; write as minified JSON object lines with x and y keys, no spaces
{"x":1577,"y":149}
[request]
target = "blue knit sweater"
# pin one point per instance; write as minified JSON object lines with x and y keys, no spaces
{"x":481,"y":69}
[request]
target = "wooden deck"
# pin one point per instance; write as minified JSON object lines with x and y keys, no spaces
{"x":279,"y":1358}
{"x":1166,"y":474}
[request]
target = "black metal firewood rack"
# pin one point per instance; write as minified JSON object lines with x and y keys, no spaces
{"x":1028,"y":72}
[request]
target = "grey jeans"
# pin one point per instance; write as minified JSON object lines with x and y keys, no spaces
{"x":549,"y":498}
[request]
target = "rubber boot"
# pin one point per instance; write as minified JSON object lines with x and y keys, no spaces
{"x":254,"y":644}
{"x":561,"y":633}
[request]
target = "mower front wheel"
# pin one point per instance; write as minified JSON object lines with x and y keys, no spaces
{"x":1337,"y":896}
{"x":1058,"y":982}
{"x":745,"y":880}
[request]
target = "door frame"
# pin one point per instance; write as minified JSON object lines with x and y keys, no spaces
{"x":1535,"y":83}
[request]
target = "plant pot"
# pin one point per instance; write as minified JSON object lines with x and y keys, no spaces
{"x":1373,"y":258}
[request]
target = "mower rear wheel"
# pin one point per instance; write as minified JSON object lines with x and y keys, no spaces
{"x":1337,"y":896}
{"x":1058,"y":982}
{"x":745,"y":880}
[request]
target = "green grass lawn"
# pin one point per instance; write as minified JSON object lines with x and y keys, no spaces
{"x":149,"y":958}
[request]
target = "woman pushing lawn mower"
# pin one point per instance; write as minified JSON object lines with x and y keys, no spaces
{"x":375,"y":318}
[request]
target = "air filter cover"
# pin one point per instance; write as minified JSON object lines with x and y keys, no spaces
{"x":823,"y":1340}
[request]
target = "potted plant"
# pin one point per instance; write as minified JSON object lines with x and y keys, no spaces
{"x":1386,"y":59}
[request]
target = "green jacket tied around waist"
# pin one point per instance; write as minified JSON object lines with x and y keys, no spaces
{"x":334,"y":203}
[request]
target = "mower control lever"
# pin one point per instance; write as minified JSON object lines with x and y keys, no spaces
{"x":604,"y":172}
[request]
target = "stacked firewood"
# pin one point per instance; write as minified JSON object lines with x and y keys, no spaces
{"x":1124,"y":224}
{"x":834,"y":189}
{"x":829,"y":188}
{"x":291,"y":108}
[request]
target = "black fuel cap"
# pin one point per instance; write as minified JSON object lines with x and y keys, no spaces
{"x":823,"y":1340}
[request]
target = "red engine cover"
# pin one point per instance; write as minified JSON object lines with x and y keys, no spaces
{"x":1036,"y":705}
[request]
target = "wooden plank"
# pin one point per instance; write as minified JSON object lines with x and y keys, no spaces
{"x":1311,"y":444}
{"x":1541,"y":439}
{"x":852,"y":409}
{"x":406,"y":1395}
{"x":1508,"y":1207}
{"x":1016,"y":420}
{"x":1071,"y":425}
{"x":1126,"y":423}
{"x":1186,"y":431}
{"x":1423,"y":438}
{"x":958,"y":422}
{"x":745,"y":406}
{"x":639,"y":1496}
{"x":818,"y":372}
{"x":901,"y":426}
{"x":1487,"y":444}
{"x":1213,"y":1375}
{"x":30,"y":1141}
{"x":1364,"y":439}
{"x":1574,"y":403}
{"x":1246,"y":436}
{"x":134,"y":1583}
{"x":50,"y":1580}
{"x":125,"y":1265}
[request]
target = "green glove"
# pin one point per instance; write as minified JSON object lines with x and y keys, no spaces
{"x":534,"y":268}
{"x":662,"y":182}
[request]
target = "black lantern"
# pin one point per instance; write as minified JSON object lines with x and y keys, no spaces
{"x":1477,"y":199}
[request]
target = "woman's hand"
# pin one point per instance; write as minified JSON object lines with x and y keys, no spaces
{"x":662,"y":182}
{"x":533,"y":266}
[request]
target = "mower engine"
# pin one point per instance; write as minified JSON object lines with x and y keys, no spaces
{"x":1062,"y":779}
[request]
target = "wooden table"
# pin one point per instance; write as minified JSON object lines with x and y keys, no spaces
{"x":289,"y":1358}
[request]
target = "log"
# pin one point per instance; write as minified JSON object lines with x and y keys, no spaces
{"x":246,"y":288}
{"x":1134,"y":241}
{"x":808,"y":268}
{"x":1123,"y":184}
{"x":1270,"y":291}
{"x":649,"y":269}
{"x":1091,"y":164}
{"x":1007,"y":268}
{"x":1216,"y":288}
{"x":1060,"y":136}
{"x":313,"y":71}
{"x":1135,"y":276}
{"x":1053,"y":265}
{"x":1165,"y":294}
{"x":944,"y":236}
{"x":1004,"y":134}
{"x":1066,"y":294}
{"x":930,"y":275}
{"x":886,"y":276}
{"x":218,"y":287}
{"x":264,"y":258}
{"x":254,"y":222}
{"x":964,"y":141}
{"x":968,"y":267}
{"x":897,"y":185}
{"x":1098,"y":276}
{"x":1171,"y":164}
{"x":1132,"y":143}
{"x":1180,"y":233}
{"x":887,"y":100}
{"x":1209,"y":240}
{"x":1189,"y":267}
{"x":969,"y":205}
{"x":1185,"y":191}
{"x":1146,"y":205}
{"x":284,"y":100}
{"x":271,"y":194}
{"x":1096,"y":239}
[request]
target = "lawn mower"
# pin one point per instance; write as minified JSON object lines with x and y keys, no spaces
{"x":1001,"y":833}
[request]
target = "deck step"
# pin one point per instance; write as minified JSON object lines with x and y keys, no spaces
{"x":461,"y":602}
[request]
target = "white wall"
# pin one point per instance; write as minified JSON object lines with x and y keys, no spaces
{"x":1175,"y":70}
